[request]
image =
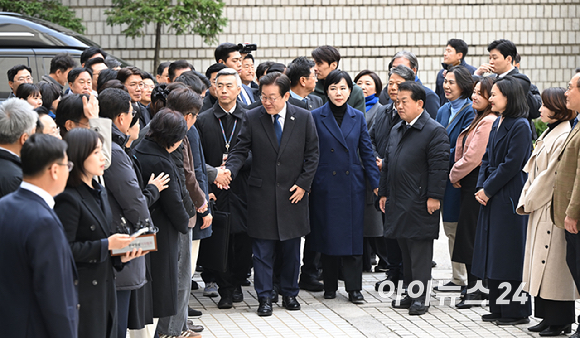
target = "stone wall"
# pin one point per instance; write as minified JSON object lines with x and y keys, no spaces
{"x":368,"y":33}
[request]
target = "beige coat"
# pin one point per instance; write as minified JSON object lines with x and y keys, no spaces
{"x":545,"y":270}
{"x":566,"y":200}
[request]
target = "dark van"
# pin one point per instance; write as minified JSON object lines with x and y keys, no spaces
{"x":34,"y":42}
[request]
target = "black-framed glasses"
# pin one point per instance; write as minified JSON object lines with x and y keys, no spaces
{"x":69,"y":165}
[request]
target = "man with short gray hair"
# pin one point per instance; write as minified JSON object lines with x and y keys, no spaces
{"x":218,"y":129}
{"x":17,"y":123}
{"x":410,"y":60}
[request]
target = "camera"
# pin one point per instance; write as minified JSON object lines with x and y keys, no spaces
{"x":246,"y":48}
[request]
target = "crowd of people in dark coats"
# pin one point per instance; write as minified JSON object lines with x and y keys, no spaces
{"x":230,"y":169}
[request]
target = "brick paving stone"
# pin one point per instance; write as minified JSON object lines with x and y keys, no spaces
{"x":338,"y":317}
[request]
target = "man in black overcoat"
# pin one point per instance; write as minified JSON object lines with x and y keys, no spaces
{"x":218,"y":130}
{"x":411,"y":188}
{"x":284,"y":145}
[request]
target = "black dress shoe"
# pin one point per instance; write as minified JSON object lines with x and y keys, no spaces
{"x":556,"y":330}
{"x":418,"y":308}
{"x":356,"y":297}
{"x":290,"y":303}
{"x":405,"y":303}
{"x":491,"y":317}
{"x":433,"y":264}
{"x":274,"y":297}
{"x":449,"y":287}
{"x":238,"y":296}
{"x":265,"y":307}
{"x":246,"y":282}
{"x":226,"y":301}
{"x":470,"y":300}
{"x":329,"y":294}
{"x":541,"y":326}
{"x":387,"y":287}
{"x":193,"y":313}
{"x":512,"y":321}
{"x":310,"y":284}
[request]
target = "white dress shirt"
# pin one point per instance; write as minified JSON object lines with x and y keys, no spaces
{"x":40,"y":192}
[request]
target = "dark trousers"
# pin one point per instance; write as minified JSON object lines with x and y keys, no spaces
{"x":573,"y":257}
{"x":310,"y":267}
{"x":264,"y":257}
{"x":513,"y":308}
{"x":239,"y":261}
{"x":351,"y":272}
{"x":379,"y":246}
{"x":393,"y":256}
{"x":417,"y":256}
{"x":374,"y":246}
{"x":123,"y":301}
{"x":554,"y":312}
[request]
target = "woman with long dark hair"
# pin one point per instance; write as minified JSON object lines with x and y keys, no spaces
{"x":546,"y":274}
{"x":501,"y":232}
{"x":84,"y":211}
{"x":469,"y":149}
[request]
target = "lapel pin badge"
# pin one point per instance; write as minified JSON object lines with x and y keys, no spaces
{"x":292,"y":118}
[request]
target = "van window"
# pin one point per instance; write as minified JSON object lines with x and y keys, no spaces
{"x":7,"y":62}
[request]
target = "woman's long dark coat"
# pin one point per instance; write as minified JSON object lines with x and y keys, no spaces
{"x":501,"y":233}
{"x":87,"y":224}
{"x":169,"y":215}
{"x":337,"y":200}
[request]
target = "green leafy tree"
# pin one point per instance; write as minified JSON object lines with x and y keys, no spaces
{"x":202,"y":17}
{"x":49,"y":10}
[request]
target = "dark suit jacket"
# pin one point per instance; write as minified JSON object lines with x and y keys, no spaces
{"x":38,"y":292}
{"x":275,"y":169}
{"x":10,"y":172}
{"x":313,"y":102}
{"x":87,"y":226}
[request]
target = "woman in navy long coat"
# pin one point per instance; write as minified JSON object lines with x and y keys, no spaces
{"x":455,"y":116}
{"x":337,"y":199}
{"x":501,"y":233}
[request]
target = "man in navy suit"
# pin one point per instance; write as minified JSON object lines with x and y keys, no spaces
{"x":284,"y":146}
{"x":38,"y":297}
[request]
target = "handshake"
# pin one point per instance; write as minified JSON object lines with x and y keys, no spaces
{"x":223,"y":178}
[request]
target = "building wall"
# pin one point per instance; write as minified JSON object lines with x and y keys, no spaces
{"x":369,"y":33}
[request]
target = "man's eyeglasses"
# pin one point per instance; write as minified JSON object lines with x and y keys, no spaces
{"x":69,"y":165}
{"x":270,"y":99}
{"x":570,"y":87}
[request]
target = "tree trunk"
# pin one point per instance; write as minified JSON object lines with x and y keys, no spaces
{"x":157,"y":46}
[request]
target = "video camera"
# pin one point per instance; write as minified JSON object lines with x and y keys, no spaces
{"x":246,"y":48}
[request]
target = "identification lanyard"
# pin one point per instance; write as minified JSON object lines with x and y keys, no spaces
{"x":224,"y":134}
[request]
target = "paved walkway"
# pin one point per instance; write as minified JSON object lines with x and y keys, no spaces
{"x":338,"y":317}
